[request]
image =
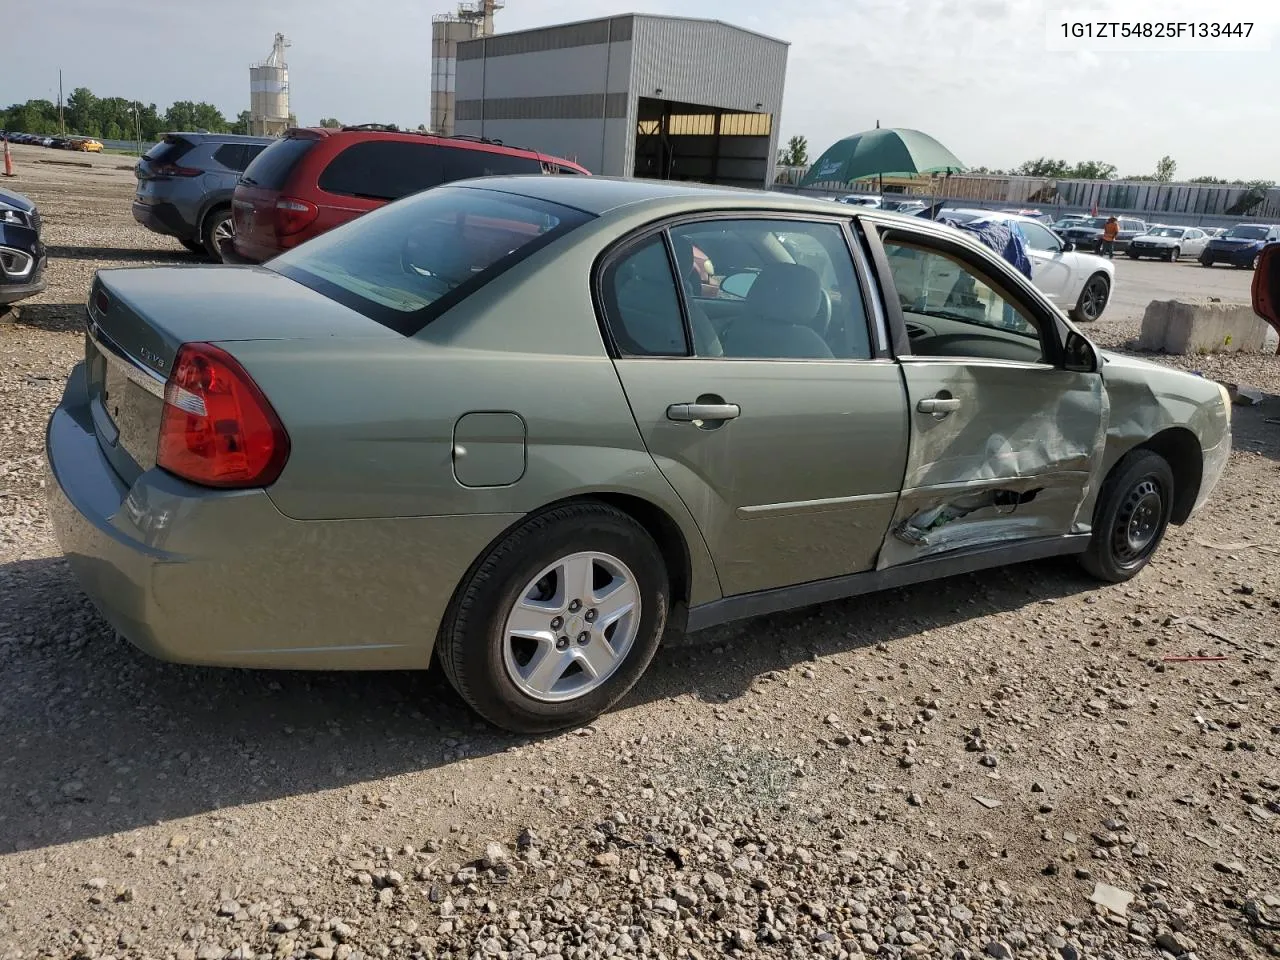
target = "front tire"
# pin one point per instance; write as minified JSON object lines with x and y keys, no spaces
{"x":1092,"y":300}
{"x":1131,"y":517}
{"x":1174,"y":254}
{"x":558,"y":621}
{"x":1206,"y":262}
{"x":218,"y":225}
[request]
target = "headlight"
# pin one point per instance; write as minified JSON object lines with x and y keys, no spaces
{"x":1226,"y":396}
{"x":16,"y":217}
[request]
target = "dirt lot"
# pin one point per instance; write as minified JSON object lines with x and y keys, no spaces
{"x":943,"y":771}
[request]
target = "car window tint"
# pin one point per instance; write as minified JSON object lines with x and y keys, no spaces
{"x":952,"y":309}
{"x":461,"y":163}
{"x":383,"y":169}
{"x":774,"y":289}
{"x":230,"y":155}
{"x":405,"y":263}
{"x":1131,"y":225}
{"x":168,"y":150}
{"x":642,"y":304}
{"x":1038,"y":238}
{"x":271,"y":168}
{"x":251,"y":151}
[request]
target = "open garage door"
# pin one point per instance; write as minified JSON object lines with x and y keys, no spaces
{"x":689,"y":141}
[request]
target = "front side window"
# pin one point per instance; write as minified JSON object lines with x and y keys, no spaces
{"x":774,"y":289}
{"x":404,"y":264}
{"x":955,"y":310}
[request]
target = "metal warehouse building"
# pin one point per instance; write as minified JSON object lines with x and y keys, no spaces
{"x":672,"y":98}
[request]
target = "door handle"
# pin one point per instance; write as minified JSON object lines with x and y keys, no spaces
{"x":689,"y":412}
{"x":939,"y":405}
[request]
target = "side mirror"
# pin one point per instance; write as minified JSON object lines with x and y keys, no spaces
{"x":1067,"y":246}
{"x":738,"y":284}
{"x":1080,"y":355}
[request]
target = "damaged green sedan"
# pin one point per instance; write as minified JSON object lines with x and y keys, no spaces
{"x":524,"y":425}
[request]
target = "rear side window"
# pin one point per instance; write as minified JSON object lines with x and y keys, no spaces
{"x":642,"y":304}
{"x":168,"y":150}
{"x":231,"y":156}
{"x":463,"y":163}
{"x":407,"y":263}
{"x":383,"y":169}
{"x":271,"y":168}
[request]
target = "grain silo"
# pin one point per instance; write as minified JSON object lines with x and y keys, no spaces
{"x":269,"y":93}
{"x":472,"y":20}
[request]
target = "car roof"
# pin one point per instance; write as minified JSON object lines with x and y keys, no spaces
{"x":218,"y":137}
{"x":600,"y":195}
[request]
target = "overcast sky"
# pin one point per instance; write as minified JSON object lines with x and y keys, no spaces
{"x":976,"y":74}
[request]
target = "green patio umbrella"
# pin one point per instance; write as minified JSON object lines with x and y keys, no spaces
{"x":881,"y":152}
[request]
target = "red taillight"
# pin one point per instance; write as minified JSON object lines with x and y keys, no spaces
{"x":217,"y":428}
{"x":293,"y":215}
{"x":173,"y":170}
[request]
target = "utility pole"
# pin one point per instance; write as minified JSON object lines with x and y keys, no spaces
{"x":62,"y":123}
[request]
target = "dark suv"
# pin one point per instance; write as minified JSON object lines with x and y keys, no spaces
{"x":22,"y":254}
{"x":185,"y":183}
{"x":315,"y":179}
{"x":1087,"y":234}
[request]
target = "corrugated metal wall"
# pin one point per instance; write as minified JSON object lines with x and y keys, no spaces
{"x":574,"y":89}
{"x":710,"y":63}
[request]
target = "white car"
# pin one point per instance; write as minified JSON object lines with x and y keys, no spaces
{"x":1077,"y":282}
{"x":1168,"y":243}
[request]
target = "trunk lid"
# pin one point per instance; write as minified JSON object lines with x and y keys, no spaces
{"x":138,"y":318}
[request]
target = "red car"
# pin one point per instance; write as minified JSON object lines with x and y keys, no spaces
{"x":314,"y":179}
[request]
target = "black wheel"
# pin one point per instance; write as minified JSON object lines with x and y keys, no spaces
{"x":195,"y":246}
{"x":218,"y":226}
{"x":1206,"y":262}
{"x":1174,"y":254}
{"x":1131,"y":516}
{"x":558,"y":621}
{"x":1093,"y":299}
{"x":1133,"y":254}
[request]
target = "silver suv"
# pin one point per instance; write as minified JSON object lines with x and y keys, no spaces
{"x":185,"y":183}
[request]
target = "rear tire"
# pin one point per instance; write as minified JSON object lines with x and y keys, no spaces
{"x":217,"y":226}
{"x":1131,"y":517}
{"x":1093,"y":299}
{"x":522,"y":604}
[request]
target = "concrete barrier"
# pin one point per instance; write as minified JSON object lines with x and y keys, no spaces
{"x":1204,"y":326}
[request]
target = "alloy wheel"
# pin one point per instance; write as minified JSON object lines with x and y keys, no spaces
{"x":571,"y":627}
{"x":1094,"y":300}
{"x":225,"y":230}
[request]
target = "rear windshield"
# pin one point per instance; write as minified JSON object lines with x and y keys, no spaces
{"x":271,"y":168}
{"x":169,"y":150}
{"x":407,"y":263}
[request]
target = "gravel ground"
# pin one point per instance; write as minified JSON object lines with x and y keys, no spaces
{"x":1000,"y":765}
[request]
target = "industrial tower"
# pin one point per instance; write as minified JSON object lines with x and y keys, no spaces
{"x":472,"y":20}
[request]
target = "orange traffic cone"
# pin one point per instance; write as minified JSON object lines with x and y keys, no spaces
{"x":8,"y":159}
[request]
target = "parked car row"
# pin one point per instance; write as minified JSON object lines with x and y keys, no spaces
{"x":83,"y":144}
{"x":489,"y":405}
{"x":246,"y":199}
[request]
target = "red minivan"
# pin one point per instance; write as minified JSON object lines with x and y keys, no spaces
{"x":314,"y":179}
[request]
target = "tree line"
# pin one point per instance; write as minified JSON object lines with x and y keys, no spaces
{"x":115,"y":118}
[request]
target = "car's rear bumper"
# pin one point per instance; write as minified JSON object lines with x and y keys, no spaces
{"x":218,"y":577}
{"x":163,"y":218}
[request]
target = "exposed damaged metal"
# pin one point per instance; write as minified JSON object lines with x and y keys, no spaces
{"x":918,"y":528}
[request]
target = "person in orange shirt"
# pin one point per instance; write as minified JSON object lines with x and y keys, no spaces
{"x":1107,"y":247}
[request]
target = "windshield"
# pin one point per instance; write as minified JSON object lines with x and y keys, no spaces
{"x":1176,"y":232}
{"x":408,"y":262}
{"x":1095,"y":222}
{"x":1248,"y":232}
